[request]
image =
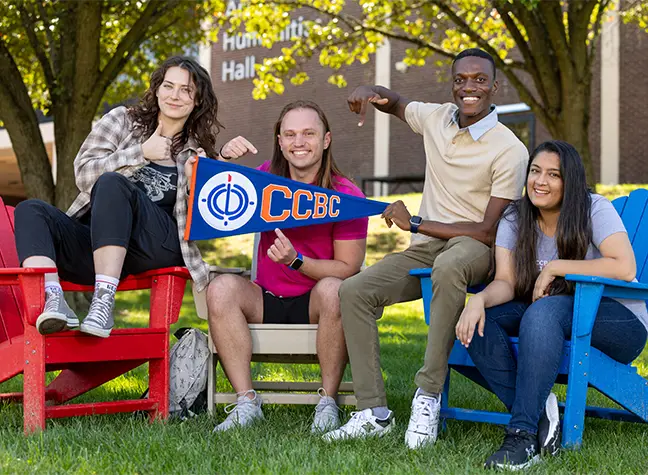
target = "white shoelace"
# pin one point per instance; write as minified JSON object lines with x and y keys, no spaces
{"x":424,"y":408}
{"x":101,"y":308}
{"x":53,"y":301}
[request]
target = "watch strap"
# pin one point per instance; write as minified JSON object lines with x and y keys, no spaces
{"x":297,"y":262}
{"x":415,"y":222}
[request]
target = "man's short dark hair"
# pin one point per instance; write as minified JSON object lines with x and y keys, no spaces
{"x":480,"y":53}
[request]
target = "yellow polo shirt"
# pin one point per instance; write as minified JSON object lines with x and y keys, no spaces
{"x":465,"y":167}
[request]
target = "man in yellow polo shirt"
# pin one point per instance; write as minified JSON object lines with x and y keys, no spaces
{"x":475,"y":166}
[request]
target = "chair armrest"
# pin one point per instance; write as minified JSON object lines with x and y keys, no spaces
{"x":422,"y":272}
{"x":14,"y":275}
{"x":590,"y":290}
{"x":613,"y":287}
{"x":27,"y":270}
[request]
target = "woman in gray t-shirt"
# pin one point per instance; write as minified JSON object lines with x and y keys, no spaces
{"x":558,"y":227}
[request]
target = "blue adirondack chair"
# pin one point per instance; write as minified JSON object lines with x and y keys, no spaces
{"x":585,"y":365}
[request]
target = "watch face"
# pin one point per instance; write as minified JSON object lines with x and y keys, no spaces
{"x":416,"y":220}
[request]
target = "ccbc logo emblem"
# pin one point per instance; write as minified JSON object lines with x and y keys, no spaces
{"x":227,"y":201}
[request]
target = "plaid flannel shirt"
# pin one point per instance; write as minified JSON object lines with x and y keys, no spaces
{"x":112,"y":147}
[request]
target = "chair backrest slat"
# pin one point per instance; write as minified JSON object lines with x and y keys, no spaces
{"x":11,"y":323}
{"x":634,"y":213}
{"x":619,"y":204}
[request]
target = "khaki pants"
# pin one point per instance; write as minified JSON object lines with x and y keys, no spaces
{"x":456,"y":264}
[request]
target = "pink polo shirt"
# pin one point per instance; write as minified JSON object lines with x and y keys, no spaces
{"x":314,"y":241}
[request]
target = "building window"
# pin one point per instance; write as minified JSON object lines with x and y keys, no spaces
{"x":520,"y":119}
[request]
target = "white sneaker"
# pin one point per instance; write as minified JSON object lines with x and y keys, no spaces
{"x":362,"y":424}
{"x":243,"y":412}
{"x":423,"y":425}
{"x":327,"y":415}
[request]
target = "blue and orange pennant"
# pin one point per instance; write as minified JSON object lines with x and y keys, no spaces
{"x":228,"y":199}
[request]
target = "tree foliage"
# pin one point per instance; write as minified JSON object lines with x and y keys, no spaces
{"x":67,"y":58}
{"x":637,"y":12}
{"x":545,"y":48}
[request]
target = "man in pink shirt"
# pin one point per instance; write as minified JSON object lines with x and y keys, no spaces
{"x":299,"y":270}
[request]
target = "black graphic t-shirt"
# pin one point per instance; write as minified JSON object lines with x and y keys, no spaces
{"x":160,"y":183}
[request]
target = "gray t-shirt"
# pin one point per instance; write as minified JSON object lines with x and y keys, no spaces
{"x":605,"y":222}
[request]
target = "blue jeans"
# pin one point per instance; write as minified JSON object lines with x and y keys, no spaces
{"x":543,"y":326}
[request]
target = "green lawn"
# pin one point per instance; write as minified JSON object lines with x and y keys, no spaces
{"x":282,"y":444}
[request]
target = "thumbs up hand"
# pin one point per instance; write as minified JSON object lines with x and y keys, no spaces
{"x":157,"y":148}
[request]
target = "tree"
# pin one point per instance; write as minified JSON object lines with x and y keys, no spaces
{"x":636,"y":11}
{"x":67,"y":58}
{"x":545,"y":48}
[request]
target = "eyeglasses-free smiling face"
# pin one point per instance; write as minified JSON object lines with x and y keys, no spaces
{"x":302,"y":139}
{"x":176,"y":94}
{"x":544,"y":183}
{"x":473,"y":86}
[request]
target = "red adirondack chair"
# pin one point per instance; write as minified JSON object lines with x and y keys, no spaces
{"x":85,"y":362}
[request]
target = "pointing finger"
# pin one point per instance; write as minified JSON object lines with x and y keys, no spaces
{"x":363,"y":113}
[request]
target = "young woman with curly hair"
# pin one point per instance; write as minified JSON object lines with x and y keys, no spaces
{"x":130,"y":214}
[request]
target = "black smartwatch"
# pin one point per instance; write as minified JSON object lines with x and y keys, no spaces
{"x":415,"y":222}
{"x":297,"y":262}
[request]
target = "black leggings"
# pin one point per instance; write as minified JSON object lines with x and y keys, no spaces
{"x":120,"y":215}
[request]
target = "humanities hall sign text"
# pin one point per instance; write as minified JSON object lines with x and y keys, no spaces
{"x":232,"y":70}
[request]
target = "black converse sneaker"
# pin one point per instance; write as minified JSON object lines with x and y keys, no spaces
{"x":549,"y":427}
{"x":518,"y":451}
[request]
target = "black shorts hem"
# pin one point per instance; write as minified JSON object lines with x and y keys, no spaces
{"x":286,"y":310}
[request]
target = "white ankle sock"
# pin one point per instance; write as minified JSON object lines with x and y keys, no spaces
{"x":381,"y":412}
{"x":106,"y":282}
{"x":421,"y":392}
{"x":53,"y":285}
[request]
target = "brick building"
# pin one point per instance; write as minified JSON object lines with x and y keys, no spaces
{"x":385,"y":146}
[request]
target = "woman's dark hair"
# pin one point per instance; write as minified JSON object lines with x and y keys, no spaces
{"x":328,"y":172}
{"x":574,"y":229}
{"x":202,"y":124}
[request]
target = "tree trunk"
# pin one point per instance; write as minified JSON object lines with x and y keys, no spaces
{"x":31,"y":154}
{"x":19,"y":118}
{"x":70,"y":130}
{"x":572,"y":121}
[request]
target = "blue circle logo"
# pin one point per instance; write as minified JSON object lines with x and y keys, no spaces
{"x":227,"y":201}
